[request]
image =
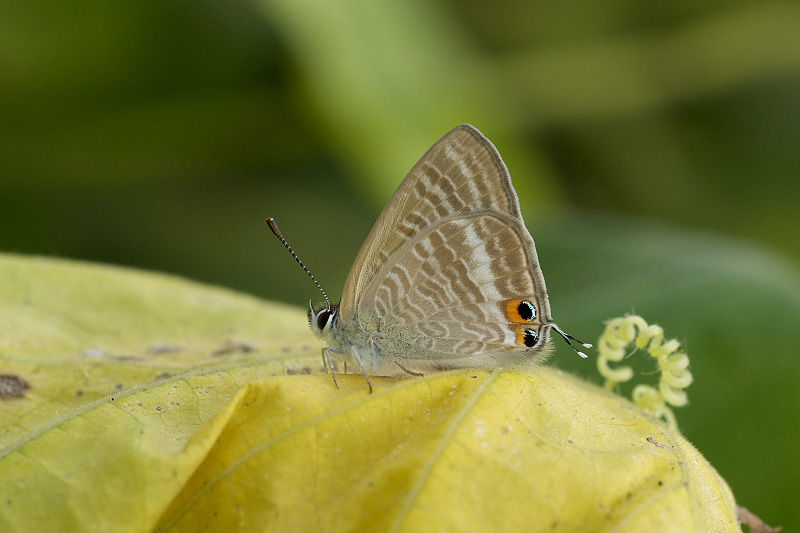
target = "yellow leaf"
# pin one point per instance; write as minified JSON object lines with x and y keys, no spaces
{"x":106,"y":377}
{"x":460,"y":451}
{"x":229,"y":441}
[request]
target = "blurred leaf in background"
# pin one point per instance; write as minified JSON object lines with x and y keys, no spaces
{"x":160,"y":134}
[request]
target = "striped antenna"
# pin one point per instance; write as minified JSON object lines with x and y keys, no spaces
{"x":274,"y":227}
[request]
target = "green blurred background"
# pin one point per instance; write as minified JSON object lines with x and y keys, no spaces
{"x":654,"y":147}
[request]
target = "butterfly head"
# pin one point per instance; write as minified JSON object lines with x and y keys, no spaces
{"x":322,"y":318}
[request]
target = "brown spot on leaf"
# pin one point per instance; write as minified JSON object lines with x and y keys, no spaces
{"x":164,"y":347}
{"x":12,"y":387}
{"x":293,"y":371}
{"x":234,"y":347}
{"x":126,"y":358}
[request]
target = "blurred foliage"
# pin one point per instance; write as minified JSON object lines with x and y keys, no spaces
{"x":160,"y":134}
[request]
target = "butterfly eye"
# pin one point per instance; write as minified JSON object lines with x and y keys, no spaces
{"x":322,"y":319}
{"x":529,"y":338}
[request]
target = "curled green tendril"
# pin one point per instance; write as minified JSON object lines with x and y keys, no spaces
{"x":673,"y":364}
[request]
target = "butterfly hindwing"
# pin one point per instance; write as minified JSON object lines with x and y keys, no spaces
{"x":450,"y":296}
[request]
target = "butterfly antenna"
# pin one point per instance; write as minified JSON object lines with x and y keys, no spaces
{"x":567,"y":338}
{"x":274,"y":227}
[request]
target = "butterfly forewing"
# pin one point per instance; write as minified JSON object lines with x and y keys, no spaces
{"x":461,"y":173}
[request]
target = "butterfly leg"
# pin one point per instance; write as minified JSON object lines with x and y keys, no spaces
{"x":407,"y":371}
{"x":368,"y":383}
{"x":326,"y":360}
{"x":361,"y":365}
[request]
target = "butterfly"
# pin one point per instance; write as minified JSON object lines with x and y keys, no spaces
{"x":447,"y":278}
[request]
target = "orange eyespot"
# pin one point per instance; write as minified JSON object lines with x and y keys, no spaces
{"x":521,"y":310}
{"x":527,"y":337}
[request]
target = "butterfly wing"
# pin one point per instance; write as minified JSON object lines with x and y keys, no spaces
{"x":446,"y":257}
{"x":461,"y":172}
{"x":450,"y":297}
